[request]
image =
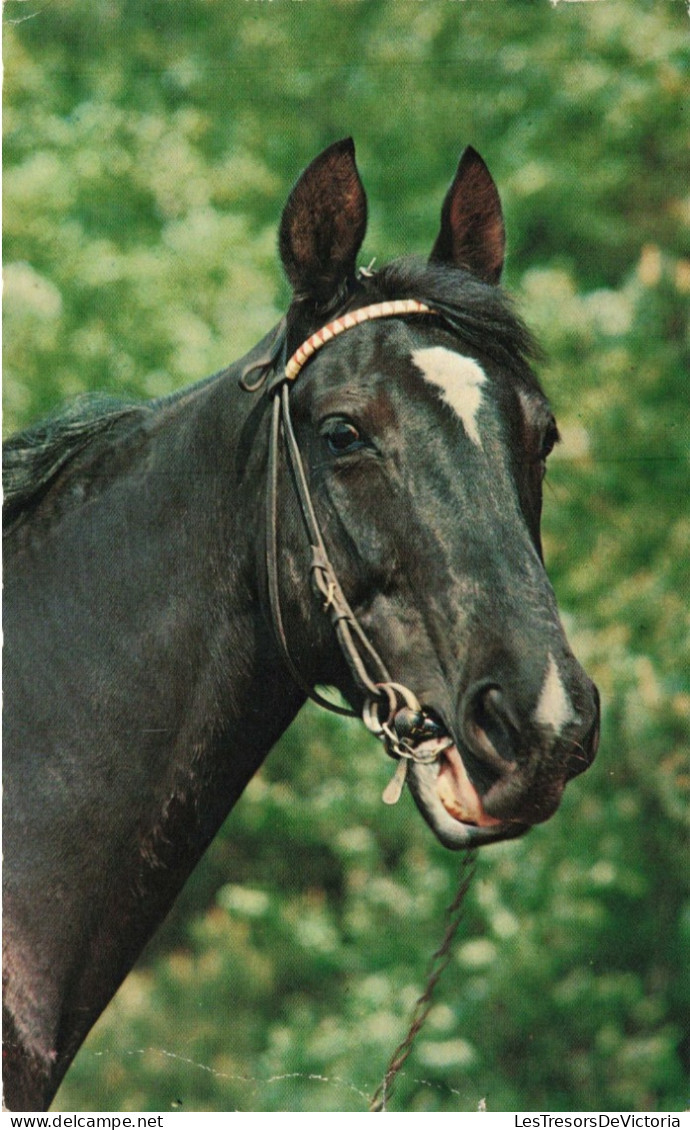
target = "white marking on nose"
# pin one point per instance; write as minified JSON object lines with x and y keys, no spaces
{"x":460,"y":380}
{"x":554,"y":707}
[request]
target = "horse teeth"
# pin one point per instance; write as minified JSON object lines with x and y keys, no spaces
{"x":392,"y":791}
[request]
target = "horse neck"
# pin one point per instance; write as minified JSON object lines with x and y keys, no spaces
{"x":141,"y":601}
{"x":232,"y":694}
{"x":219,"y":676}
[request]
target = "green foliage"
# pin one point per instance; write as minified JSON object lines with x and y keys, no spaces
{"x":149,"y":148}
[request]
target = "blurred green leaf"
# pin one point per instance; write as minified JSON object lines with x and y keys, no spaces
{"x":149,"y":148}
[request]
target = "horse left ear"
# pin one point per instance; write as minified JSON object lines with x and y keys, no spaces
{"x":323,"y":224}
{"x":472,"y":233}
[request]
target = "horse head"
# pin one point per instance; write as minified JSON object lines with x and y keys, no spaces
{"x":423,"y":436}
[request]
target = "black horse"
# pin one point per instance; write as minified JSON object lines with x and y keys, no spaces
{"x":380,"y":455}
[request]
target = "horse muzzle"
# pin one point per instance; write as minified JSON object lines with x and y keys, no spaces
{"x":492,"y":777}
{"x":429,"y":762}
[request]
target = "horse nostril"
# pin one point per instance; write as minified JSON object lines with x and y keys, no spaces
{"x":586,"y":749}
{"x":518,"y":765}
{"x":490,"y":730}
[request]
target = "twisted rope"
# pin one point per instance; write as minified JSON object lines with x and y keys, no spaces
{"x":438,"y":963}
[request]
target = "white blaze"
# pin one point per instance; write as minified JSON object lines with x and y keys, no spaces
{"x":554,"y":707}
{"x":460,"y":380}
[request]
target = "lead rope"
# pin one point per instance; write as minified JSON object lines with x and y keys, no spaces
{"x":439,"y":961}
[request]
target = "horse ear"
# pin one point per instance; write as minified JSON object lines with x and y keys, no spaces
{"x":323,"y":224}
{"x":472,"y":234}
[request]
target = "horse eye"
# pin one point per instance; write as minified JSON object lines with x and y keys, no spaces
{"x":342,"y":436}
{"x":549,"y":441}
{"x":551,"y":438}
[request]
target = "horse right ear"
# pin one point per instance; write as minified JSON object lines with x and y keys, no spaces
{"x":323,"y":224}
{"x":472,"y":233}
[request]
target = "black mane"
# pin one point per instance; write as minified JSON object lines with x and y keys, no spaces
{"x":33,"y":458}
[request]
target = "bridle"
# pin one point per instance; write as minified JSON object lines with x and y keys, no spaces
{"x":391,"y":711}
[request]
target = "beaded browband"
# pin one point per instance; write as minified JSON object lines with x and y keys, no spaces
{"x":392,"y":309}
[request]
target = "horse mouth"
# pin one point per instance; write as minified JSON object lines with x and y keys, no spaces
{"x":450,"y":803}
{"x":457,"y":794}
{"x":430,"y":761}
